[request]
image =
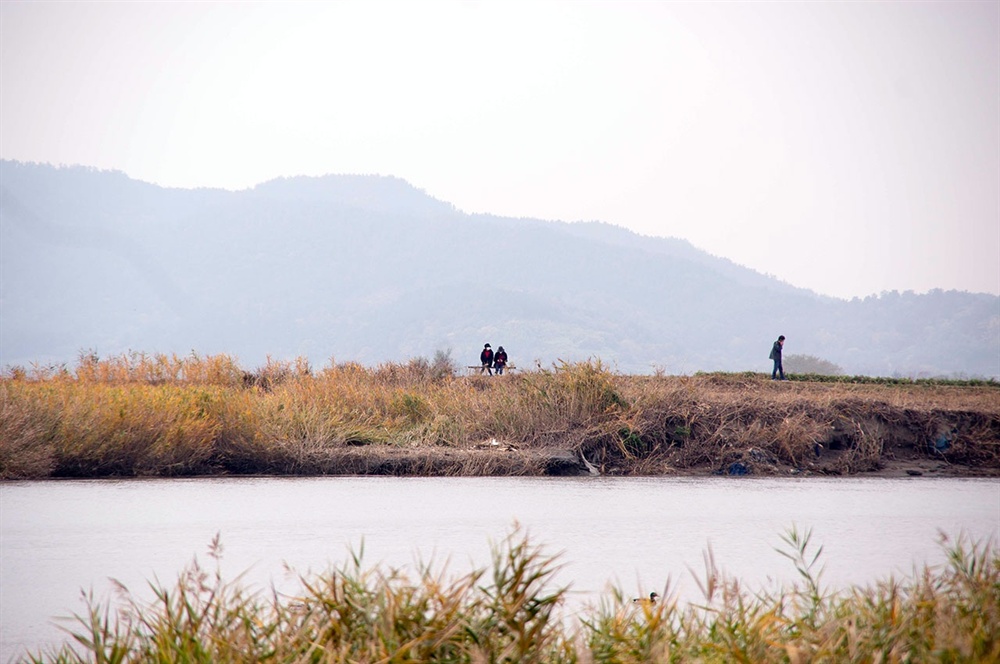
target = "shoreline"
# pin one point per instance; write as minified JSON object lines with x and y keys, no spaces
{"x":395,"y":466}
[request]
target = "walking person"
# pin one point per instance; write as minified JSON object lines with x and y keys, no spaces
{"x":486,"y":358}
{"x":500,"y":360}
{"x":778,"y":372}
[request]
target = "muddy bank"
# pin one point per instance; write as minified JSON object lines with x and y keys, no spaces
{"x":724,"y":427}
{"x":507,"y":460}
{"x":741,"y":426}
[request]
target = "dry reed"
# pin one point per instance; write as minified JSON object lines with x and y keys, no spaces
{"x":163,"y":415}
{"x":511,"y":613}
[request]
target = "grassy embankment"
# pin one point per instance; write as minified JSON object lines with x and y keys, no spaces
{"x":513,"y":614}
{"x":140,"y":415}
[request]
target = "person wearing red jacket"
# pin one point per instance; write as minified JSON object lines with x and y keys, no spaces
{"x":486,"y":357}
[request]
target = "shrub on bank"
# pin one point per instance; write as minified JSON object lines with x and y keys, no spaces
{"x":512,"y":613}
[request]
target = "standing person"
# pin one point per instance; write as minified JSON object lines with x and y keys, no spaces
{"x":500,"y":360}
{"x":486,"y":358}
{"x":776,"y":356}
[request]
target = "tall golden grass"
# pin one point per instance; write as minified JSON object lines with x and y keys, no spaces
{"x":139,"y":414}
{"x":512,"y":613}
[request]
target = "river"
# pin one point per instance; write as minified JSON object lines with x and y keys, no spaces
{"x":58,"y":538}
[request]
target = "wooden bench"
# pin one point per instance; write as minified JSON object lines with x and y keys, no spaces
{"x":478,"y":368}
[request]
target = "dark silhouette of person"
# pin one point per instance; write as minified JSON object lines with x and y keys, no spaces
{"x":486,"y":358}
{"x":500,"y":360}
{"x":778,"y":370}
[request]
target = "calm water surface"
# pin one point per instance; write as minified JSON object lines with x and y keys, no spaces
{"x":59,"y":538}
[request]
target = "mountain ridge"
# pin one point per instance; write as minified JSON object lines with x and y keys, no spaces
{"x":372,"y":269}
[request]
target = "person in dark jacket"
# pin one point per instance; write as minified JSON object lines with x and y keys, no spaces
{"x":500,"y":360}
{"x":486,"y":358}
{"x":776,"y":356}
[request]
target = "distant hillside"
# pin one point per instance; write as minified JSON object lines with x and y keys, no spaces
{"x":370,"y":269}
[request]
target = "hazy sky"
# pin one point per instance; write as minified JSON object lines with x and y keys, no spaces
{"x":846,"y":147}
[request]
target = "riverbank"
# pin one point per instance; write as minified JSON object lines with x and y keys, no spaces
{"x":141,"y":415}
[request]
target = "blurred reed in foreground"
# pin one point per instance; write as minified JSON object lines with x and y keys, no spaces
{"x":511,"y":613}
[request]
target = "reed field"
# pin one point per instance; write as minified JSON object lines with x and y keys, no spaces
{"x":156,"y":415}
{"x":512,"y":613}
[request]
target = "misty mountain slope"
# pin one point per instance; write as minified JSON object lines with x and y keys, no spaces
{"x":370,"y":269}
{"x":676,"y":248}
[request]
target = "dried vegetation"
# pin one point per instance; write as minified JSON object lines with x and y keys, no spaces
{"x":140,"y":415}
